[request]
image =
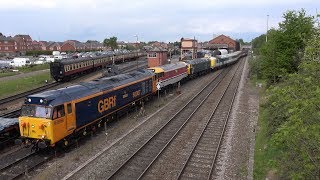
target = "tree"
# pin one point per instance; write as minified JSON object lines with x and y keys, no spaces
{"x":258,"y":42}
{"x":242,"y":42}
{"x":177,"y":44}
{"x":111,"y":42}
{"x":293,"y":117}
{"x":283,"y":52}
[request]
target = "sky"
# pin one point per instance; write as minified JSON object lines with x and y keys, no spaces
{"x":160,"y":20}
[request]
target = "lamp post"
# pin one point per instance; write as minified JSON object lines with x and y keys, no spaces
{"x":137,"y":44}
{"x":267,"y":28}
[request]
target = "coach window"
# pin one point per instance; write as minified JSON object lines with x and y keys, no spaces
{"x":58,"y":112}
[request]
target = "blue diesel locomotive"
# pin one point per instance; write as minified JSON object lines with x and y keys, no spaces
{"x":52,"y":116}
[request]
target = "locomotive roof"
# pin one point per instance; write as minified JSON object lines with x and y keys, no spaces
{"x":229,"y":55}
{"x":81,"y":59}
{"x":196,"y":61}
{"x":67,"y":94}
{"x":169,"y":67}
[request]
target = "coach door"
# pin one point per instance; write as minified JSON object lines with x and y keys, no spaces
{"x":70,"y":117}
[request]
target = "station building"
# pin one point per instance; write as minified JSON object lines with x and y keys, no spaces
{"x":223,"y":42}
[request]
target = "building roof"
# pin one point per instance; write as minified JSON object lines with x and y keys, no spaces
{"x":158,"y":49}
{"x":93,"y":44}
{"x":22,"y":36}
{"x":4,"y":38}
{"x":188,"y":39}
{"x":221,"y":36}
{"x":54,"y":44}
{"x":44,"y":43}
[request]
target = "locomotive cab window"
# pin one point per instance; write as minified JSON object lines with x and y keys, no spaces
{"x":58,"y":112}
{"x":159,"y":75}
{"x":36,"y":111}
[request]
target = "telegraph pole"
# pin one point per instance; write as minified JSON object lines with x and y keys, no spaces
{"x":137,"y":45}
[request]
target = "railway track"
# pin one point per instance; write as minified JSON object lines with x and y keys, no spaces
{"x":137,"y":164}
{"x":12,"y":114}
{"x":26,"y":93}
{"x":22,"y":161}
{"x":138,"y":145}
{"x":197,"y":159}
{"x":203,"y":156}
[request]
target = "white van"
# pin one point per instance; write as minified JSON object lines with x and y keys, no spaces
{"x":19,"y":62}
{"x":57,"y":57}
{"x":49,"y":59}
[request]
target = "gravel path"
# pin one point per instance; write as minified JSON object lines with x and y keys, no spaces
{"x":236,"y":156}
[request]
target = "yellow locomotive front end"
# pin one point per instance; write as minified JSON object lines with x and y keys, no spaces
{"x":35,"y":124}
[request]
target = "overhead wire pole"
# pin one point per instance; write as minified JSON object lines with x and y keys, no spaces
{"x":137,"y":40}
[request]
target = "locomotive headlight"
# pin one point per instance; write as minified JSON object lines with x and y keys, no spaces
{"x":60,"y":72}
{"x":29,"y":100}
{"x":41,"y":100}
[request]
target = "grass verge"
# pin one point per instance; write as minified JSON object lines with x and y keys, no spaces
{"x":25,"y":69}
{"x":264,"y":164}
{"x":12,"y":87}
{"x":38,"y":67}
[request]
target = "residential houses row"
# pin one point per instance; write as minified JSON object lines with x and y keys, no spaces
{"x":20,"y":44}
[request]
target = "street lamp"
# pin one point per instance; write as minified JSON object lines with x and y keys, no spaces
{"x":137,"y":44}
{"x":267,"y":28}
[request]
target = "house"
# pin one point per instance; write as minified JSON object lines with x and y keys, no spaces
{"x":36,"y":46}
{"x":54,"y":46}
{"x":73,"y":45}
{"x":44,"y":45}
{"x":24,"y":43}
{"x":93,"y":45}
{"x":8,"y":46}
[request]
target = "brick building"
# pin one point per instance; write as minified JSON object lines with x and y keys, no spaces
{"x":54,"y":46}
{"x":24,"y":43}
{"x":73,"y":45}
{"x":20,"y":44}
{"x":157,"y":56}
{"x":224,"y":42}
{"x":8,"y":46}
{"x":189,"y":45}
{"x":94,"y":45}
{"x":36,"y":46}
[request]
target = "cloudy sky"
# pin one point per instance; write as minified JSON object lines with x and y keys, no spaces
{"x":162,"y":20}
